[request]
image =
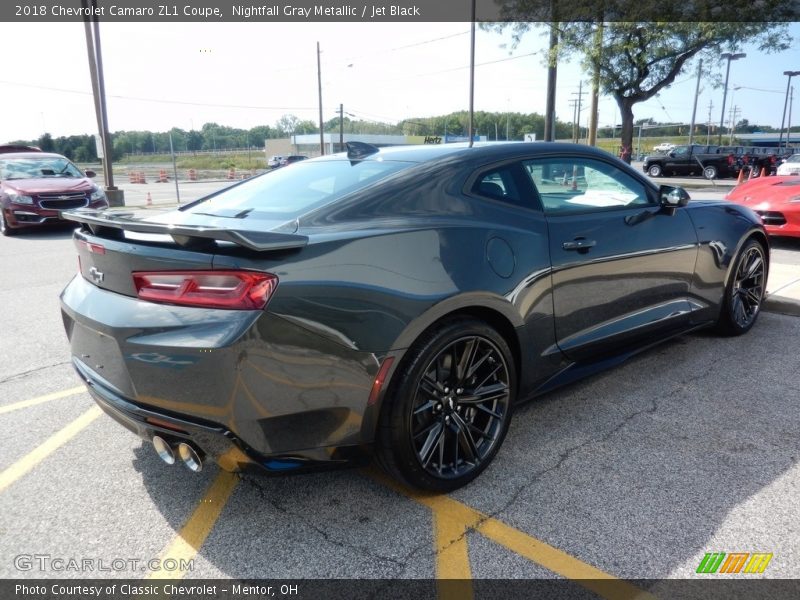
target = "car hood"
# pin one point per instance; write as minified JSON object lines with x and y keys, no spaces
{"x":47,"y":185}
{"x":763,"y":194}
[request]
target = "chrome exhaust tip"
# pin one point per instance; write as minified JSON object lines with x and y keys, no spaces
{"x":190,"y":457}
{"x":164,"y":450}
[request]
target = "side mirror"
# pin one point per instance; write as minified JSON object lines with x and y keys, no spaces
{"x":90,"y":173}
{"x":671,"y":154}
{"x":672,"y":196}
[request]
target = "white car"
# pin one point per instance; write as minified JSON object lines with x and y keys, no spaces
{"x":663,"y":147}
{"x":273,"y":162}
{"x":790,"y":166}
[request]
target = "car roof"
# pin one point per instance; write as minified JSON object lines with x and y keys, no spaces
{"x":480,"y":150}
{"x":13,"y":148}
{"x":31,"y":155}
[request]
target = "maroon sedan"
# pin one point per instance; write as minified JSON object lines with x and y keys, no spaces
{"x":36,"y":186}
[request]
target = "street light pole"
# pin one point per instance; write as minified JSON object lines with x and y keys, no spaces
{"x":789,"y":74}
{"x":730,"y":57}
{"x":319,"y":85}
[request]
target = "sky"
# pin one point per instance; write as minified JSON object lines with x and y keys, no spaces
{"x":159,"y":76}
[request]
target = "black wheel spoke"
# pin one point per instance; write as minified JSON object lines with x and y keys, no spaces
{"x":430,"y":387}
{"x":427,"y":430}
{"x":466,"y":360}
{"x":425,"y":407}
{"x":465,"y":436}
{"x":431,"y":443}
{"x":488,"y":393}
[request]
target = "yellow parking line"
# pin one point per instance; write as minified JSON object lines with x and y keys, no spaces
{"x":453,"y":573}
{"x":53,"y":443}
{"x":191,"y":537}
{"x":461,"y":517}
{"x":46,"y":398}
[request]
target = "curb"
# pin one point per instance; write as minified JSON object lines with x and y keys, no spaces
{"x":782,"y":305}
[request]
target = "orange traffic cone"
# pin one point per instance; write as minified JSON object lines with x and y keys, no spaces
{"x":741,"y":177}
{"x":149,"y":200}
{"x":574,"y":187}
{"x":763,"y":171}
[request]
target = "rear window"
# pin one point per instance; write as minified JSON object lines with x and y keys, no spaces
{"x":289,"y":193}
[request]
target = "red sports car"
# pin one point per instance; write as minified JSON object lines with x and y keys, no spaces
{"x":775,"y":199}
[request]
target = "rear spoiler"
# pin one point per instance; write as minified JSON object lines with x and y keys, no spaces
{"x":111,"y":225}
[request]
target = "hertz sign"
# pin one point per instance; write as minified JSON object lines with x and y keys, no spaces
{"x":734,"y":562}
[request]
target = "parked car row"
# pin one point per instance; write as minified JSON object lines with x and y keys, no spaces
{"x":714,"y":162}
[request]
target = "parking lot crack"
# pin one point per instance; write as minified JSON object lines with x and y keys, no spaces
{"x":32,"y":371}
{"x":398,"y":564}
{"x":565,"y":455}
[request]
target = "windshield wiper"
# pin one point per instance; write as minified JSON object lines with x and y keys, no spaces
{"x":243,"y":214}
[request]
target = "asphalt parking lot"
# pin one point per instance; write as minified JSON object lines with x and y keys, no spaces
{"x":690,"y":448}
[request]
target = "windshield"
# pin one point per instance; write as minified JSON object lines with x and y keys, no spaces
{"x":37,"y":167}
{"x":291,"y":191}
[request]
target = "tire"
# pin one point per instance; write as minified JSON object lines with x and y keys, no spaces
{"x":655,"y":171}
{"x":4,"y":228}
{"x":436,"y":433}
{"x":710,"y":172}
{"x":744,"y":293}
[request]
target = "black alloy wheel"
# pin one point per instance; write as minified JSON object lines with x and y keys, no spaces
{"x":745,"y":290}
{"x":453,"y":407}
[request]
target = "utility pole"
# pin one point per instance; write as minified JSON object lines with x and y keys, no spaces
{"x":591,"y":136}
{"x":574,"y":105}
{"x":115,"y":196}
{"x":708,"y":123}
{"x":319,"y":85}
{"x":734,"y":115}
{"x":552,"y":72}
{"x":696,"y":95}
{"x":576,"y":123}
{"x":341,"y":127}
{"x":471,"y":128}
{"x":789,"y":122}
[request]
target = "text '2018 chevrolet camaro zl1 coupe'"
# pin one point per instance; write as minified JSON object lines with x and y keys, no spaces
{"x":396,"y":302}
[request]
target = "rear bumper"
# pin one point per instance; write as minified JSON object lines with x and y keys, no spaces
{"x":248,"y":387}
{"x":216,"y":442}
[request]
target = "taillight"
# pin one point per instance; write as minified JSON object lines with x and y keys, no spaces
{"x":235,"y":290}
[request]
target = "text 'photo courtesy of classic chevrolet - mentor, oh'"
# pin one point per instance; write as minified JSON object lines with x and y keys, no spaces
{"x":394,"y":302}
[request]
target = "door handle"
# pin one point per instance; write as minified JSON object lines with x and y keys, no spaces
{"x":579,"y":244}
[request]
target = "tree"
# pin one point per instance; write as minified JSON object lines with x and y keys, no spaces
{"x":287,"y":124}
{"x":46,"y":143}
{"x":637,"y":60}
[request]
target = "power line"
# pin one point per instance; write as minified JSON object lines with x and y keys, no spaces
{"x":159,"y":100}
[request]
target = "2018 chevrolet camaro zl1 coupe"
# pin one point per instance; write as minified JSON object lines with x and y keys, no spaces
{"x":396,"y":302}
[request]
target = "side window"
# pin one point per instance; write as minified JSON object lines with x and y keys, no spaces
{"x":498,"y":184}
{"x":567,"y":185}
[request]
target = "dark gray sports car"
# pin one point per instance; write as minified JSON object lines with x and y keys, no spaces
{"x":396,"y":302}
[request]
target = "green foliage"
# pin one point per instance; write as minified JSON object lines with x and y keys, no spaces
{"x":636,"y":60}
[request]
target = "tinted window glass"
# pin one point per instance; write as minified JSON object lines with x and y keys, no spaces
{"x":580,"y":185}
{"x":498,"y":184}
{"x":287,"y":193}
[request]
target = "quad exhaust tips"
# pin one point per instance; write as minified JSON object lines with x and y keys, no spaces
{"x":191,"y":457}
